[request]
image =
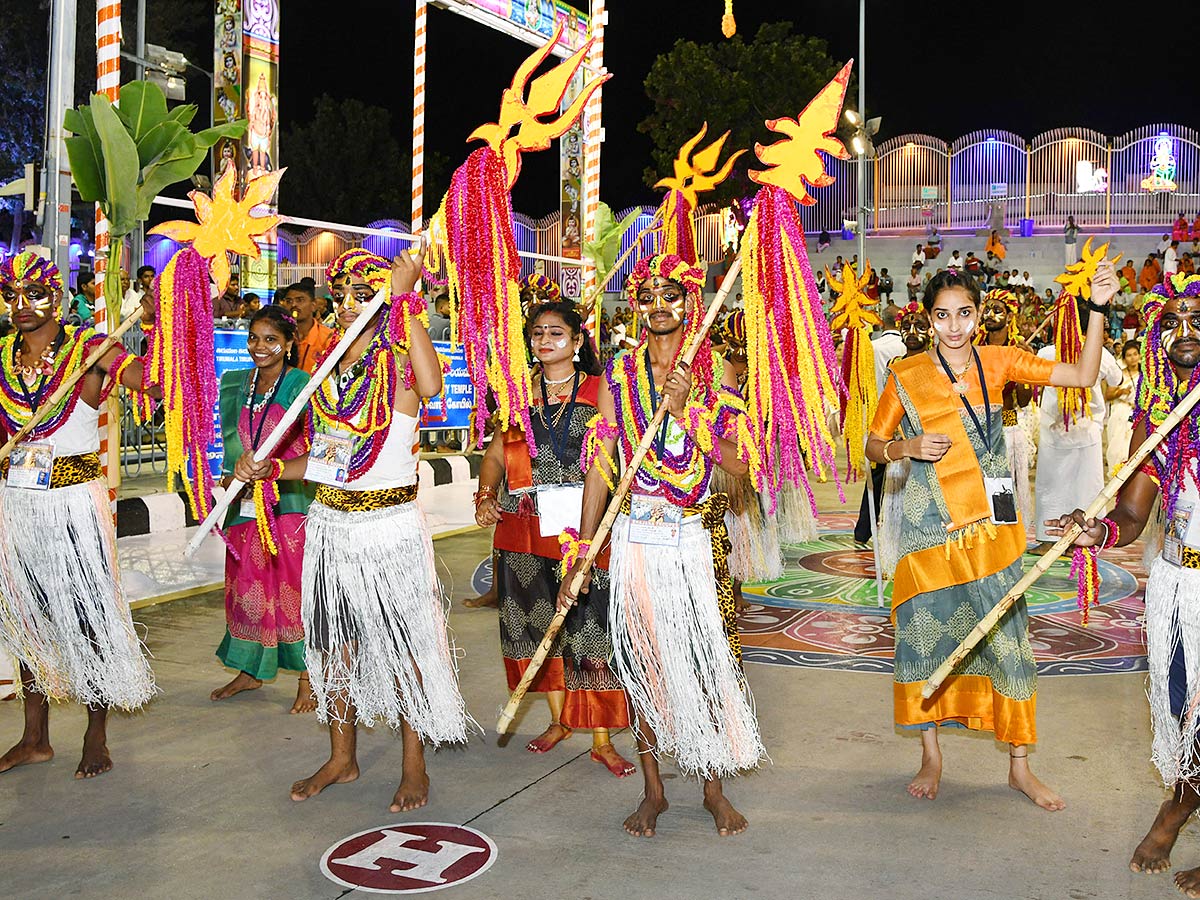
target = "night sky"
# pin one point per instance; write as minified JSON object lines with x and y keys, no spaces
{"x":1018,"y":66}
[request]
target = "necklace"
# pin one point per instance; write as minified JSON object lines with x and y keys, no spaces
{"x":960,"y":387}
{"x":554,"y":381}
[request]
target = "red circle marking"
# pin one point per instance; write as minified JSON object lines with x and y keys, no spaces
{"x":409,"y":858}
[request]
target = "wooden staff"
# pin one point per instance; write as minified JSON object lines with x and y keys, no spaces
{"x":293,"y":413}
{"x":1097,"y":507}
{"x":67,"y":386}
{"x":614,"y":507}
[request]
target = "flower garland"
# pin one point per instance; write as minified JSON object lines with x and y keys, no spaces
{"x":1158,"y":391}
{"x":180,"y":359}
{"x":1086,"y":570}
{"x":678,"y":233}
{"x":1068,"y":342}
{"x":15,"y":410}
{"x":572,"y":549}
{"x":266,"y":498}
{"x":794,"y":375}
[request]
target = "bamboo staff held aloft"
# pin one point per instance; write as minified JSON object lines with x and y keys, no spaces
{"x":68,"y":386}
{"x":614,"y":508}
{"x":1095,"y":508}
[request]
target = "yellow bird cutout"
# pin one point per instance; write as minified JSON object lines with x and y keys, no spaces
{"x":852,"y":307}
{"x":796,"y":160}
{"x":545,"y":96}
{"x":695,"y":174}
{"x":1077,"y":280}
{"x":225,"y":225}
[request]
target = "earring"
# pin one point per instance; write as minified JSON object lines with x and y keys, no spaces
{"x":576,"y":357}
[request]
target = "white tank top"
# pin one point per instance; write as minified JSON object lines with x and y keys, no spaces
{"x":396,"y":465}
{"x":80,"y":433}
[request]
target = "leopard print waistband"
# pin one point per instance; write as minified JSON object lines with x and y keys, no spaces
{"x":1008,"y":417}
{"x":69,"y":470}
{"x":364,"y":501}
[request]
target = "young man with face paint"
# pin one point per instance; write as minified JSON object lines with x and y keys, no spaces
{"x":964,"y":538}
{"x":376,"y":644}
{"x":60,"y":593}
{"x":672,"y":621}
{"x":998,"y":317}
{"x":1170,"y":367}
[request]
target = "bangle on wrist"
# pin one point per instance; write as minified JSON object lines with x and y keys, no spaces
{"x":887,"y":456}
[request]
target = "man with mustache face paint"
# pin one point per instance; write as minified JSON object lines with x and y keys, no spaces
{"x":1170,"y":367}
{"x":672,"y":621}
{"x":58,"y":579}
{"x":999,"y":319}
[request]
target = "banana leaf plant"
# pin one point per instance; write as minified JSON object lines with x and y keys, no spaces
{"x":604,"y":250}
{"x":123,"y":156}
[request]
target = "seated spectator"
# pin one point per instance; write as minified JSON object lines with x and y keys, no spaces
{"x":1028,"y":281}
{"x":1186,"y":265}
{"x":919,"y":255}
{"x":935,"y":239}
{"x":1015,"y":279}
{"x":1180,"y":230}
{"x":1196,"y":233}
{"x":955,"y":261}
{"x":1163,"y":245}
{"x":973,"y":263}
{"x":229,"y":304}
{"x":885,"y":285}
{"x":914,"y":283}
{"x":250,"y":305}
{"x":823,"y":240}
{"x":1002,"y":279}
{"x":996,"y":245}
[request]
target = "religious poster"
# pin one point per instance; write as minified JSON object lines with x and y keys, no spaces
{"x":246,"y":85}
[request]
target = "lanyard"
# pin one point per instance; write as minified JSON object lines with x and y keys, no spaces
{"x":35,"y":399}
{"x":559,"y":448}
{"x":985,"y":431}
{"x":660,"y":442}
{"x":257,"y":435}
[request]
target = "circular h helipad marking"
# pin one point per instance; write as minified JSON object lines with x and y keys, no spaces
{"x":412,"y":858}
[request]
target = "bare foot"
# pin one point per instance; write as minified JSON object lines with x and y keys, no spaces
{"x":1020,"y":778}
{"x":95,"y":760}
{"x":1153,"y":854}
{"x":23,"y":754}
{"x":645,"y":818}
{"x":333,"y":772}
{"x":1188,"y":881}
{"x":729,"y":821}
{"x":306,"y":700}
{"x":413,"y":793}
{"x":242,"y":682}
{"x":483,"y":601}
{"x":925,"y":783}
{"x":607,"y":756}
{"x":548,"y":739}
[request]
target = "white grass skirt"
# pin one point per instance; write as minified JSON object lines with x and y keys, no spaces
{"x":1020,"y":460}
{"x":1172,"y":620}
{"x":891,"y":516}
{"x":672,"y":655}
{"x":62,"y":613}
{"x":794,"y":516}
{"x":375,"y":622}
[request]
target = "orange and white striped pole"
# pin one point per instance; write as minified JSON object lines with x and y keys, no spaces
{"x":418,"y":119}
{"x":591,"y":160}
{"x":108,"y":83}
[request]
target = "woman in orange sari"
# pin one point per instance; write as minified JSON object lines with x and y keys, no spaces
{"x":963,"y":537}
{"x":995,"y":246}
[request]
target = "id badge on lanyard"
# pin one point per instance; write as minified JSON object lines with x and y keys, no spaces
{"x":329,"y":458}
{"x":1180,"y":533}
{"x":31,"y":464}
{"x":654,"y":521}
{"x":560,"y":506}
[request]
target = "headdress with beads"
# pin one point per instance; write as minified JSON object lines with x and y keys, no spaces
{"x":1158,"y":391}
{"x":665,"y":265}
{"x":360,"y":263}
{"x":29,"y":265}
{"x":540,"y":288}
{"x":734,"y":328}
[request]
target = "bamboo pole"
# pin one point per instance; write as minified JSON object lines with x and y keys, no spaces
{"x":614,"y":508}
{"x":1097,"y":506}
{"x":293,"y":413}
{"x":67,"y":386}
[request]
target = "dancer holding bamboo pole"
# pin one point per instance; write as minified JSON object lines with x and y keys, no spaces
{"x":671,"y":616}
{"x":964,"y":537}
{"x":1171,"y":354}
{"x":62,"y":612}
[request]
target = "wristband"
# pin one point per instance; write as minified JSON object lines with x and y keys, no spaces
{"x":1103,"y":310}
